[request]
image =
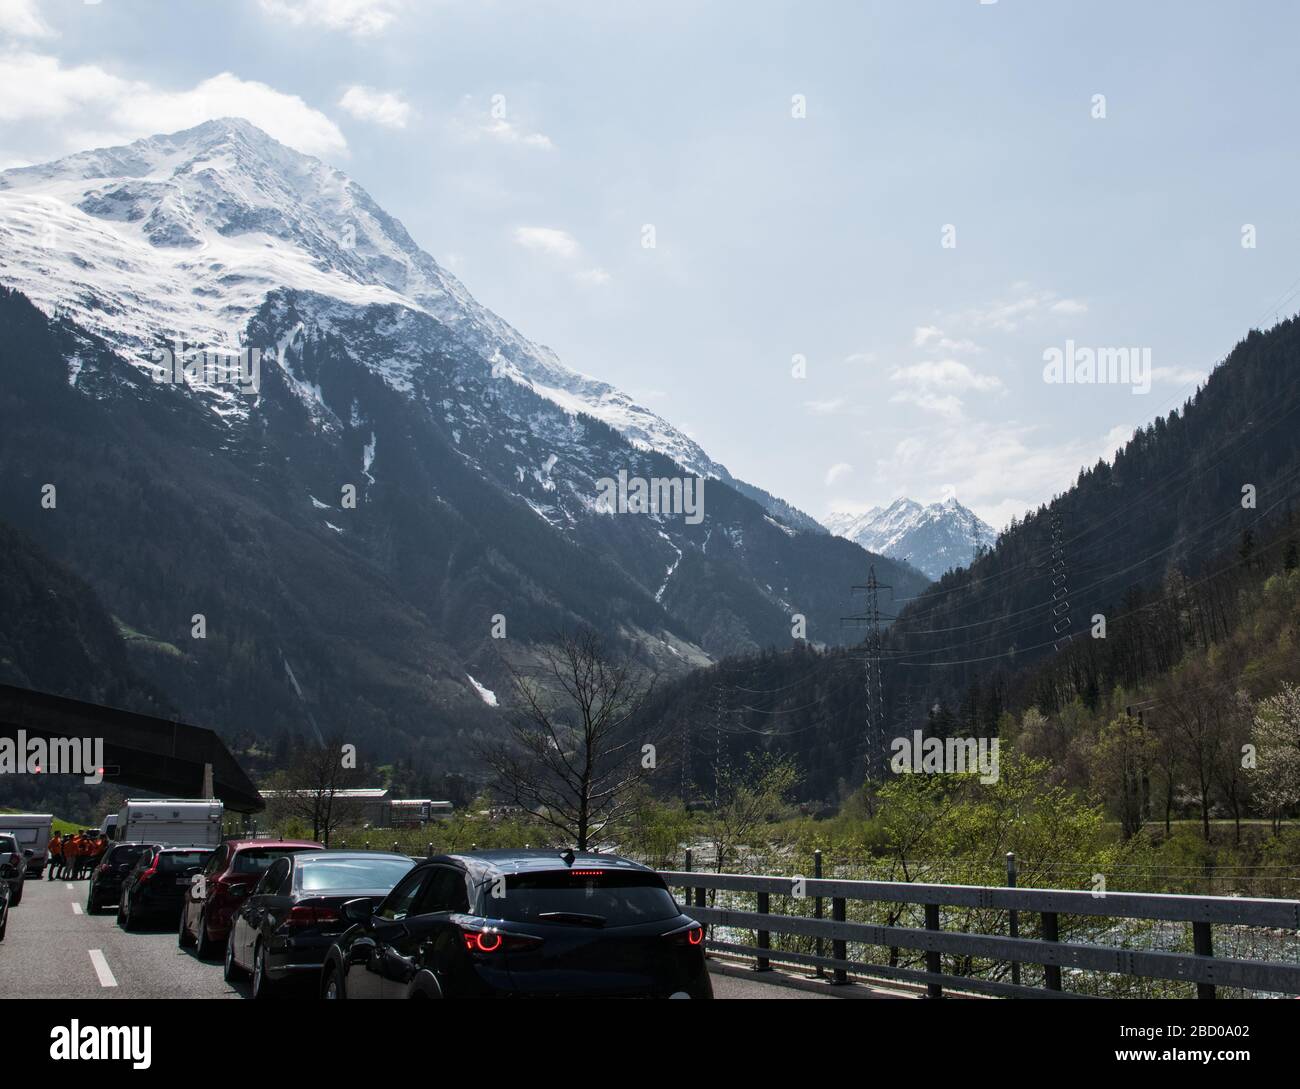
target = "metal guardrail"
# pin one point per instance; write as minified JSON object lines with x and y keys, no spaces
{"x":1201,"y":966}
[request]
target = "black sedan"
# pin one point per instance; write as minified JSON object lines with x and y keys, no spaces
{"x":283,"y":930}
{"x":6,"y":873}
{"x":532,"y":924}
{"x":105,"y":886}
{"x":155,"y":889}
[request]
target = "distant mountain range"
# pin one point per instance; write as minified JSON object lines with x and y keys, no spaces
{"x":405,"y":503}
{"x":934,"y":539}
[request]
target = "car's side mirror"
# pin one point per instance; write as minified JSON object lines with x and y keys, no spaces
{"x":28,"y":852}
{"x":358,"y":911}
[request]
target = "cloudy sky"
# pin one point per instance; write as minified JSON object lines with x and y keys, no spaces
{"x":907,"y":203}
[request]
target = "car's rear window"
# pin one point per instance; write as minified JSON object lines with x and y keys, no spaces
{"x":126,"y":854}
{"x":257,"y":860}
{"x":582,"y":897}
{"x":171,"y":861}
{"x":319,"y":874}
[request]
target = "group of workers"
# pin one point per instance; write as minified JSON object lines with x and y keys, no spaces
{"x":75,"y":855}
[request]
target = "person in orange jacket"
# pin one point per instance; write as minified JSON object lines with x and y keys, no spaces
{"x":56,"y":856}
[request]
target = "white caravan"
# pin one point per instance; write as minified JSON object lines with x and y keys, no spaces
{"x":172,"y":822}
{"x":32,"y":830}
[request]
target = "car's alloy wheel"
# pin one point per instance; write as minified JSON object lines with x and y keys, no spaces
{"x":262,"y":986}
{"x":333,"y":987}
{"x":230,"y":969}
{"x":205,"y":946}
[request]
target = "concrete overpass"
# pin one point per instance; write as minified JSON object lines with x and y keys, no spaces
{"x":145,"y":753}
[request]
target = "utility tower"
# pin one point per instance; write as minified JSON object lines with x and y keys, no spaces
{"x":1059,"y":584}
{"x":719,"y":748}
{"x":874,"y":736}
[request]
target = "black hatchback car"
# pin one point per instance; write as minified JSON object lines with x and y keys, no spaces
{"x":282,"y":932}
{"x":105,"y":886}
{"x":526,"y":924}
{"x":155,"y":888}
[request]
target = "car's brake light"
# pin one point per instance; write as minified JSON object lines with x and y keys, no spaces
{"x":692,"y":936}
{"x":489,"y":940}
{"x":153,"y":869}
{"x":310,"y":915}
{"x":587,"y":873}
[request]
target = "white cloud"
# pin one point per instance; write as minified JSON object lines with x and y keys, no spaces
{"x":1069,"y":306}
{"x":20,"y":19}
{"x":837,"y":471}
{"x":473,"y":124}
{"x":561,"y":246}
{"x":362,"y":18}
{"x":945,"y":374}
{"x":986,"y":462}
{"x":550,"y":240}
{"x":1025,"y":305}
{"x":381,"y":107}
{"x":927,"y":335}
{"x":99,"y":108}
{"x":943,"y":405}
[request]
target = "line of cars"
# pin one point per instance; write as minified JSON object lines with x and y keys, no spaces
{"x":290,"y":915}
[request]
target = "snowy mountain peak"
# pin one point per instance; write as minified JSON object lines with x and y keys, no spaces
{"x":185,"y":235}
{"x":934,"y":538}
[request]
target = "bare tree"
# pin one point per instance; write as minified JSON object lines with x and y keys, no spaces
{"x":308,"y":789}
{"x":574,"y":753}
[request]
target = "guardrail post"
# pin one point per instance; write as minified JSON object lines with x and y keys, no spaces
{"x":764,"y":936}
{"x":932,"y":961}
{"x":839,"y":947}
{"x":1203,"y":946}
{"x":428,"y":851}
{"x":1051,"y":934}
{"x":1014,"y":916}
{"x":817,"y":909}
{"x":395,"y":851}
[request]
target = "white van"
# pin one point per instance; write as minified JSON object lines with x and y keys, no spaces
{"x":32,"y":830}
{"x":171,"y":822}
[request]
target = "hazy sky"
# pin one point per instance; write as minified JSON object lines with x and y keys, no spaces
{"x":526,"y":146}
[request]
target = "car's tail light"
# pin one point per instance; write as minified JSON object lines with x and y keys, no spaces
{"x":692,"y":936}
{"x":151,"y":871}
{"x":485,"y":941}
{"x":103,"y":867}
{"x":587,"y":873}
{"x":311,"y":915}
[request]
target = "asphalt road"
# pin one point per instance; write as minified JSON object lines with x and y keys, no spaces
{"x":54,"y":950}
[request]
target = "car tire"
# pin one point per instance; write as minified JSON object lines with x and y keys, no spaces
{"x":17,"y":897}
{"x":332,"y":984}
{"x":231,"y":971}
{"x":263,"y":985}
{"x":91,"y":907}
{"x":184,"y":938}
{"x":204,"y":947}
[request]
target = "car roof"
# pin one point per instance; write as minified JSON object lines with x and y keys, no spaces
{"x":271,"y":844}
{"x":314,"y":856}
{"x":482,"y":863}
{"x":177,"y":847}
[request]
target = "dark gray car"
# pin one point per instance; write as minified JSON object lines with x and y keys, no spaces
{"x":15,"y":860}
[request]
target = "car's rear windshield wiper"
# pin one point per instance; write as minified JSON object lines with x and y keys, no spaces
{"x":578,"y":917}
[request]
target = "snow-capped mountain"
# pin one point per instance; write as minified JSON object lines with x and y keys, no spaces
{"x":934,"y":539}
{"x":407,"y":500}
{"x":185,"y":235}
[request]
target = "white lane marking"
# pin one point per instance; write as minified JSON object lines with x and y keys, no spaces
{"x":76,"y":909}
{"x":101,"y":969}
{"x":68,"y":886}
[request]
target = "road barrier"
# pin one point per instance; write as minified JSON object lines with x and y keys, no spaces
{"x":1201,"y":966}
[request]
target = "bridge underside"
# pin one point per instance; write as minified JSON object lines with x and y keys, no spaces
{"x":140,"y":751}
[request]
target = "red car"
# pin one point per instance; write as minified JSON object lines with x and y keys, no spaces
{"x":229,"y":876}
